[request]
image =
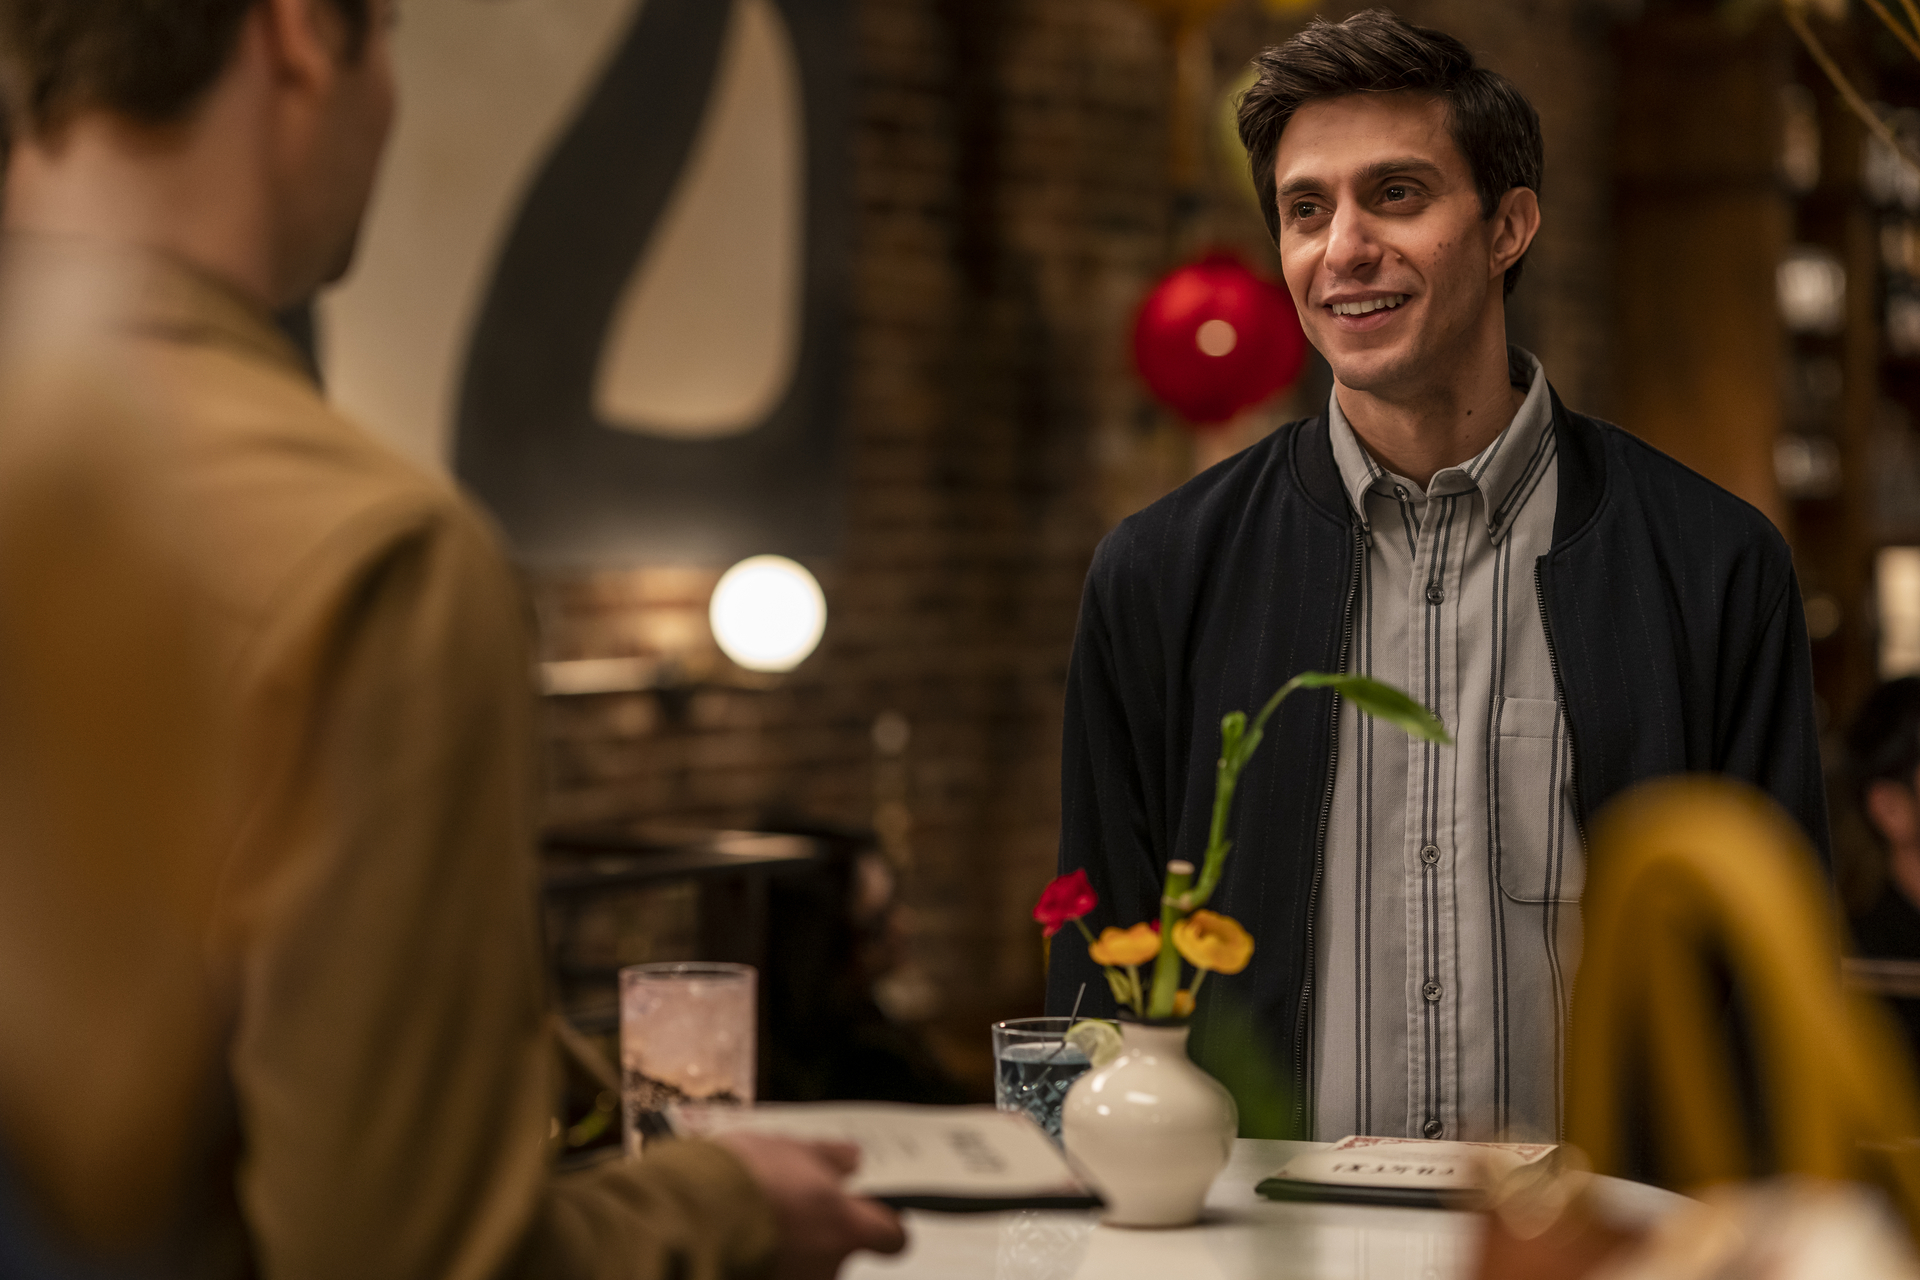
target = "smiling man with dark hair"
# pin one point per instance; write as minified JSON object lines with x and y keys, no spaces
{"x":1581,"y":611}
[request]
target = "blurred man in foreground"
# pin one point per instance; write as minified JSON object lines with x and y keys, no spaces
{"x":269,"y":992}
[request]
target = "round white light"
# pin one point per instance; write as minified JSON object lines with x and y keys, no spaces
{"x":1216,"y":338}
{"x":767,"y":613}
{"x":1811,"y":284}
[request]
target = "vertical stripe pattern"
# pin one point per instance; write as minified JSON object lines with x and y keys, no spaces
{"x":1448,"y":929}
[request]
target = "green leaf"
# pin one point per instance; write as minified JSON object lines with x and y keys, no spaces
{"x":1118,"y":984}
{"x":1383,"y":702}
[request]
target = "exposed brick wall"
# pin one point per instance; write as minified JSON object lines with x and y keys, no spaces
{"x":1010,"y":160}
{"x":1010,"y":206}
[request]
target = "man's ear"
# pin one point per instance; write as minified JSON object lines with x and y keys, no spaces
{"x":304,"y":39}
{"x":1515,"y":223}
{"x":1894,"y":811}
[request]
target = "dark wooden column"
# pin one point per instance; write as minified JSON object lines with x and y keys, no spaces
{"x":1702,"y":222}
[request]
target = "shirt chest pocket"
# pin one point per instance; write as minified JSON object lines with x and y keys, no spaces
{"x":1532,"y":822}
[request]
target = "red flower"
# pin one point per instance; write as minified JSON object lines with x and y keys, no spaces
{"x":1068,"y":898}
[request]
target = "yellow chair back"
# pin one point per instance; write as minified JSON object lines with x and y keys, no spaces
{"x":1684,"y":870}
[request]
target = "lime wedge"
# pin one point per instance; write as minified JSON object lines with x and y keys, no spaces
{"x":1100,"y":1041}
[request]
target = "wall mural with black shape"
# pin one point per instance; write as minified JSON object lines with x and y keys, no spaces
{"x":605,"y":275}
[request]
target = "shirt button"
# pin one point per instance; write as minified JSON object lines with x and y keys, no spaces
{"x":1432,"y":992}
{"x":1435,"y":593}
{"x":1430,"y":854}
{"x":1433,"y":1128}
{"x":1400,"y":491}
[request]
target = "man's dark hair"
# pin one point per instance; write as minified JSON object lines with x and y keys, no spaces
{"x":149,"y":60}
{"x":1375,"y":51}
{"x":1883,"y":742}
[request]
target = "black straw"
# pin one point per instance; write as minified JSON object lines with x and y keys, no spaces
{"x":1055,"y":1051}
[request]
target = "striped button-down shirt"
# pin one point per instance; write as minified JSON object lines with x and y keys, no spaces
{"x":1449,"y":919}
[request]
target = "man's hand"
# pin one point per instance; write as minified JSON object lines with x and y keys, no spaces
{"x":819,"y":1223}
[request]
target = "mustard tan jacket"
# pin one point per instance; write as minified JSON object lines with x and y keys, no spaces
{"x":270,"y":998}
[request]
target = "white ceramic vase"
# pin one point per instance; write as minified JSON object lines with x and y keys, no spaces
{"x":1150,"y":1129}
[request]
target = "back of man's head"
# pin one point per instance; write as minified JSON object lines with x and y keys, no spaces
{"x":148,"y":60}
{"x":1376,"y":51}
{"x":238,"y":136}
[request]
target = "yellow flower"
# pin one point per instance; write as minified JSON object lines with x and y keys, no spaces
{"x":1125,"y":946}
{"x":1182,"y":1004}
{"x":1213,"y":942}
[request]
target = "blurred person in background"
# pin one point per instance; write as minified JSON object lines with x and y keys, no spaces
{"x":1581,"y":612}
{"x":270,"y":997}
{"x":1880,"y":884}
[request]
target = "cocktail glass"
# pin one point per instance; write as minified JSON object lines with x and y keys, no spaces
{"x":686,"y":1037}
{"x":1033,"y":1067}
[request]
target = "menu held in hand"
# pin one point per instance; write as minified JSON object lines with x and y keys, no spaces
{"x":956,"y":1159}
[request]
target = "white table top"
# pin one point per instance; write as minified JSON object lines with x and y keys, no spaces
{"x":1243,"y":1236}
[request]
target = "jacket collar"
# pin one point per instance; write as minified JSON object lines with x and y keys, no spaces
{"x":1318,"y":473}
{"x":1583,"y":472}
{"x":141,"y":291}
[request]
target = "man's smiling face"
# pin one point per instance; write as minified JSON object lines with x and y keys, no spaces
{"x":1382,"y":241}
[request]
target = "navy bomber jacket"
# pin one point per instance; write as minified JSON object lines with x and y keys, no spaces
{"x":1673,"y":619}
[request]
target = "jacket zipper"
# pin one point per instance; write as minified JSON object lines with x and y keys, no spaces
{"x":1559,"y":691}
{"x":1320,"y":840}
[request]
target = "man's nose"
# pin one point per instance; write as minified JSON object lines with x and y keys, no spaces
{"x":1351,"y":247}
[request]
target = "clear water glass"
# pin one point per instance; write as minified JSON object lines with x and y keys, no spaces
{"x":686,"y":1037}
{"x":1033,"y":1067}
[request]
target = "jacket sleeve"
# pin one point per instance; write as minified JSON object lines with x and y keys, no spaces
{"x":1768,"y":731}
{"x":390,"y":1060}
{"x":1113,"y":794}
{"x":688,"y":1210}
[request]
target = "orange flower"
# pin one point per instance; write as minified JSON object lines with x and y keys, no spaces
{"x":1182,"y":1004}
{"x":1125,"y":946}
{"x":1211,"y":941}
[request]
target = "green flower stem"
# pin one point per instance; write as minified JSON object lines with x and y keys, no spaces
{"x":1166,"y":966}
{"x":1238,"y":741}
{"x":1199,"y":976}
{"x":1114,"y":980}
{"x":1133,"y":972}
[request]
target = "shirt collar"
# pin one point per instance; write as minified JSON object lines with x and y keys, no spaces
{"x":1505,"y":472}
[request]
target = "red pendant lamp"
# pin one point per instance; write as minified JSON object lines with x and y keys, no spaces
{"x":1213,"y":339}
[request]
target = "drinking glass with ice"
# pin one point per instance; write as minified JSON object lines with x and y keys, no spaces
{"x":687,"y":1038}
{"x":1034,"y":1066}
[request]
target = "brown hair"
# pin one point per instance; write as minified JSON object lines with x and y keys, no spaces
{"x":1376,"y":51}
{"x":150,"y":60}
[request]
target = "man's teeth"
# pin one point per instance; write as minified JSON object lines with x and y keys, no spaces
{"x":1372,"y":304}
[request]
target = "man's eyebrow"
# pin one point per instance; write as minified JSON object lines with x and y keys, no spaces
{"x":1373,"y":173}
